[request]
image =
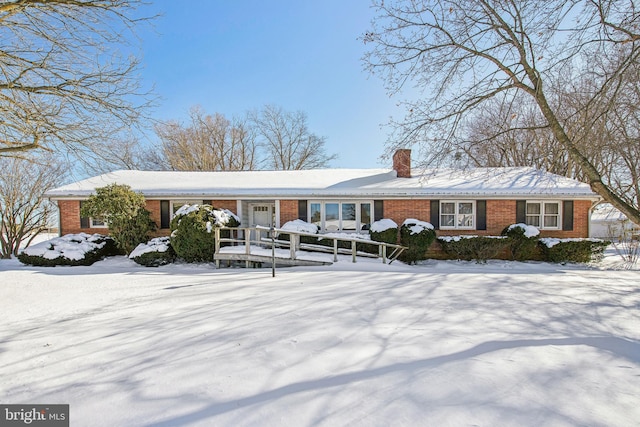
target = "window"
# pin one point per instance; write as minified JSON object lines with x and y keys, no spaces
{"x":97,"y":223}
{"x":333,"y":216}
{"x":544,"y":215}
{"x":457,"y":215}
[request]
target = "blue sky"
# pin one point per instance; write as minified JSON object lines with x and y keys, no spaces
{"x":234,"y":56}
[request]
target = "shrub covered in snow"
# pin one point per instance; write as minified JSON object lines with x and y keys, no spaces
{"x":70,"y":249}
{"x":156,"y":252}
{"x":523,"y":241}
{"x":417,"y":236}
{"x":384,"y":230}
{"x":469,"y":248}
{"x":192,"y":231}
{"x":572,"y":250}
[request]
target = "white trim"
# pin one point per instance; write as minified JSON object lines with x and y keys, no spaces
{"x":542,"y":213}
{"x":456,"y":214}
{"x":92,"y":225}
{"x":358,"y":211}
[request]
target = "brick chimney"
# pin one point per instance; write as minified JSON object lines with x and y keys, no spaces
{"x":402,"y":163}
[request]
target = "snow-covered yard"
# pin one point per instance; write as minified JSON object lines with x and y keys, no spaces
{"x":365,"y":344}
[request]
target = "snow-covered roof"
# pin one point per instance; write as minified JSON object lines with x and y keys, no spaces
{"x":383,"y":183}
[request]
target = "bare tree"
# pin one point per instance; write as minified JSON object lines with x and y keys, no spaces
{"x":207,"y":143}
{"x":461,"y":54}
{"x":66,"y":78}
{"x":286,"y":140}
{"x":25,"y":212}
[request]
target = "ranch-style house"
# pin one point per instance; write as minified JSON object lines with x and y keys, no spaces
{"x":480,"y":201}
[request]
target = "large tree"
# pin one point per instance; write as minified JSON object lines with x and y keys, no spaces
{"x":269,"y":138}
{"x":205,"y":143}
{"x":24,"y":211}
{"x":68,"y":76}
{"x":286,"y":140}
{"x":461,"y":54}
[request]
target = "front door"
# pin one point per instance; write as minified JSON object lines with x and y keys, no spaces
{"x":262,"y":214}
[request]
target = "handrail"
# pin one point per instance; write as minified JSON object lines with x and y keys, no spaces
{"x":294,"y":243}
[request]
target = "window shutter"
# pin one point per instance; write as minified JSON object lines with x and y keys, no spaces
{"x":567,"y":215}
{"x":84,"y":220}
{"x":378,"y":210}
{"x":481,"y":215}
{"x":521,"y":211}
{"x":302,"y":210}
{"x":435,"y":214}
{"x":207,"y":202}
{"x":165,"y":217}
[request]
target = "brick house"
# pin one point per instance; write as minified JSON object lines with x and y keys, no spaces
{"x":481,"y":201}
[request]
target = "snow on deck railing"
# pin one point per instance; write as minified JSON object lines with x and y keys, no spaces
{"x":254,"y":236}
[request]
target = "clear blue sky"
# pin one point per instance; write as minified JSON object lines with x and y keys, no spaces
{"x":238,"y":55}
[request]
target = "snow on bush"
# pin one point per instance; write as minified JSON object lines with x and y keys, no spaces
{"x":70,"y":249}
{"x":71,"y":246}
{"x":416,"y":226}
{"x":220,"y":217}
{"x":552,"y":241}
{"x":158,"y":244}
{"x":154,"y":253}
{"x":528,"y":230}
{"x":383,"y":225}
{"x":300,"y":226}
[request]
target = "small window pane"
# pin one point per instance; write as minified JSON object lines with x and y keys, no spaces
{"x":315,"y":213}
{"x":331,"y":216}
{"x":533,"y":220}
{"x":98,"y":223}
{"x":533,"y":208}
{"x":551,"y":221}
{"x":448,"y":208}
{"x":551,"y":208}
{"x":348,"y":216}
{"x":365,"y":216}
{"x":447,"y":220}
{"x":465,"y":208}
{"x":465,"y":221}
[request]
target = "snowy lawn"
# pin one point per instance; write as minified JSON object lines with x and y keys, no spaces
{"x":366,"y":344}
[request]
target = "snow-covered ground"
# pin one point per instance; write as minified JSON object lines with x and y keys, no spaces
{"x":365,"y":344}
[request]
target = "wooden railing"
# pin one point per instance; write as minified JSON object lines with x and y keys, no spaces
{"x":268,"y":237}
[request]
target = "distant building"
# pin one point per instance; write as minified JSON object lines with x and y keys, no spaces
{"x":608,"y":222}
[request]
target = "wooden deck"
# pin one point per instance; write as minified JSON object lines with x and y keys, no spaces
{"x":252,"y":245}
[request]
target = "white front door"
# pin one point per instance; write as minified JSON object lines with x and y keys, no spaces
{"x":261,"y":214}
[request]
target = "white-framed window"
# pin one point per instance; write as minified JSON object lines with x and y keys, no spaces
{"x":97,"y":223}
{"x":458,"y":214}
{"x":332,"y":216}
{"x":543,"y":214}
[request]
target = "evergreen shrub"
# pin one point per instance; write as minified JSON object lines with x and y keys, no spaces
{"x":572,"y":250}
{"x":478,"y":248}
{"x":156,"y":252}
{"x":523,"y":242}
{"x":192,"y":228}
{"x":417,"y":236}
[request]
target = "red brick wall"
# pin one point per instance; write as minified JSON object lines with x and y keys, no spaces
{"x":500,"y":214}
{"x":225,"y":204}
{"x":288,"y":211}
{"x":399,"y":210}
